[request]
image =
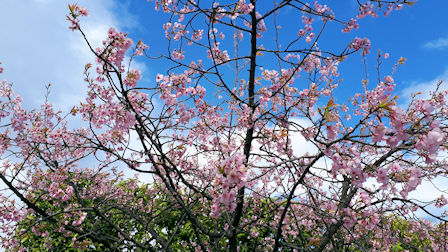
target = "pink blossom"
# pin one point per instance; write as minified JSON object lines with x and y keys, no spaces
{"x":350,"y":26}
{"x":441,"y":201}
{"x":431,"y":141}
{"x":141,"y":47}
{"x":427,"y":107}
{"x":382,"y":176}
{"x":308,"y":39}
{"x":82,"y":11}
{"x":132,"y":78}
{"x":81,"y":219}
{"x":379,"y":132}
{"x":332,"y":132}
{"x":363,"y":44}
{"x":366,"y":9}
{"x":389,"y":9}
{"x":307,"y":20}
{"x":218,"y":55}
{"x":388,"y":79}
{"x":74,"y":24}
{"x":365,"y":197}
{"x":245,"y":8}
{"x":178,"y":54}
{"x":197,"y":35}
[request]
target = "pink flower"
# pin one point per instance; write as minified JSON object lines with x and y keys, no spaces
{"x":365,"y":10}
{"x":379,"y":132}
{"x":427,"y":107}
{"x":382,"y":176}
{"x":389,"y":9}
{"x":388,"y":79}
{"x":307,"y":20}
{"x":80,"y":220}
{"x":350,"y":26}
{"x":365,"y":198}
{"x":65,"y":197}
{"x":74,"y":24}
{"x":141,"y":47}
{"x":332,"y":132}
{"x":132,"y":78}
{"x":363,"y":44}
{"x":177,"y":54}
{"x":36,"y":231}
{"x":218,"y":55}
{"x":413,"y":181}
{"x":197,"y":35}
{"x":392,"y":141}
{"x":245,"y":8}
{"x":441,"y":201}
{"x":82,"y":11}
{"x":431,"y":141}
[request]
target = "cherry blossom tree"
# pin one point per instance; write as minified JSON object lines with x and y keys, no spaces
{"x":216,"y":135}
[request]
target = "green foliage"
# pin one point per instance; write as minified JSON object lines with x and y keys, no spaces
{"x":408,"y":238}
{"x":138,"y":211}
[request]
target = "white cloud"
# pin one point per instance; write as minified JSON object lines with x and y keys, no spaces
{"x":440,"y":43}
{"x":427,"y":190}
{"x":425,"y":87}
{"x":299,"y":144}
{"x":37,"y":47}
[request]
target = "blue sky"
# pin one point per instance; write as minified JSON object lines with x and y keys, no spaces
{"x":37,"y":48}
{"x":418,"y":33}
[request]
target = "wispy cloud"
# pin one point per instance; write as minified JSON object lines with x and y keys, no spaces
{"x":37,"y":48}
{"x":440,"y":43}
{"x":425,"y":87}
